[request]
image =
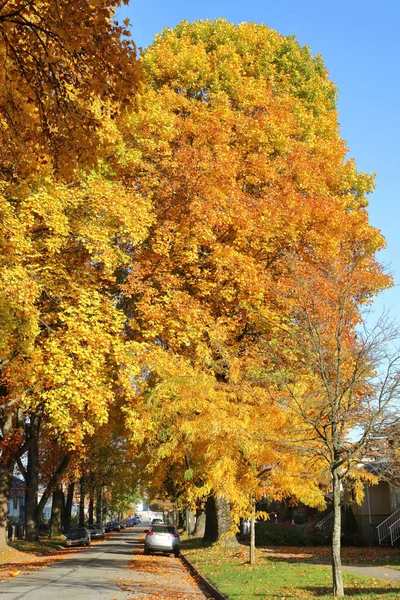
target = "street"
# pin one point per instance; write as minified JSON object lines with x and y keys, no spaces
{"x":101,"y":572}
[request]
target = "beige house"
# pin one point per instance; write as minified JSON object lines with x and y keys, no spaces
{"x":378,"y":517}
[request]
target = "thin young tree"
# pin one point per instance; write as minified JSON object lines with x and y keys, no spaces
{"x":339,"y":376}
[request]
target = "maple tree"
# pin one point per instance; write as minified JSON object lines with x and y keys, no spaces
{"x":69,"y":70}
{"x":339,"y":376}
{"x":237,"y":142}
{"x":65,"y":356}
{"x":69,"y":73}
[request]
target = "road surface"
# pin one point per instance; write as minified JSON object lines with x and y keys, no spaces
{"x":113,"y":570}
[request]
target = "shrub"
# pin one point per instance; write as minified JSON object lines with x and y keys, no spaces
{"x":295,"y":537}
{"x":268,"y":534}
{"x":286,"y":534}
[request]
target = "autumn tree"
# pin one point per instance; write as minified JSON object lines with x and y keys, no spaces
{"x":340,"y":377}
{"x":68,"y":72}
{"x":237,"y":141}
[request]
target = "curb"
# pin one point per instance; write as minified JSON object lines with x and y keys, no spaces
{"x":204,"y":582}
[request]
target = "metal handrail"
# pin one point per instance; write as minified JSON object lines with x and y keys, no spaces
{"x":326,"y":524}
{"x":383,"y":528}
{"x":394,"y":531}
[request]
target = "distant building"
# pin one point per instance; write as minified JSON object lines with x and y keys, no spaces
{"x":16,"y":503}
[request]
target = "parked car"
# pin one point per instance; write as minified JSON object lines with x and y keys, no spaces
{"x":78,"y":536}
{"x":136,"y":520}
{"x":122,"y":524}
{"x":162,"y":538}
{"x":129,"y":522}
{"x":157,"y":520}
{"x":96,"y":531}
{"x":112,"y":526}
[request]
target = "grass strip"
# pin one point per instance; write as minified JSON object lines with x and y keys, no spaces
{"x":279,"y":578}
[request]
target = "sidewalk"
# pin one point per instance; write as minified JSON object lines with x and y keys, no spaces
{"x":372,"y":571}
{"x":376,"y":571}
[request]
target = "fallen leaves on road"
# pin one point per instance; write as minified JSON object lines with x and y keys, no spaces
{"x":32,"y":558}
{"x":160,"y":577}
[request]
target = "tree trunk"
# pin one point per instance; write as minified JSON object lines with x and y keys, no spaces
{"x":32,"y":483}
{"x":12,"y":430}
{"x":54,"y":479}
{"x":68,"y":507}
{"x":338,"y":590}
{"x":99,"y":511}
{"x":253,"y":538}
{"x":57,"y":513}
{"x":189,"y":522}
{"x":219,"y":523}
{"x":6,"y":472}
{"x":211,"y":525}
{"x":91,"y":509}
{"x":226,"y":533}
{"x":81,"y":503}
{"x":200,"y":523}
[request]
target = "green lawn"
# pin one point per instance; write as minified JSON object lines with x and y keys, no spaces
{"x":279,"y":578}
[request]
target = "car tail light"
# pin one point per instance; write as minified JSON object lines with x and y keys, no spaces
{"x":175,"y":535}
{"x":150,"y":533}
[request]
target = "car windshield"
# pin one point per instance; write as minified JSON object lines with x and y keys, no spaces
{"x":163,"y":529}
{"x":95,"y":527}
{"x":75,"y":534}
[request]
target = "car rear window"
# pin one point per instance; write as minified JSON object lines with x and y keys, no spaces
{"x":75,"y":534}
{"x":163,"y":529}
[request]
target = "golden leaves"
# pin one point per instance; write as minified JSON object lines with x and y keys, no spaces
{"x":55,"y":59}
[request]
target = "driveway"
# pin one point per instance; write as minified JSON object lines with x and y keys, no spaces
{"x":114,"y":570}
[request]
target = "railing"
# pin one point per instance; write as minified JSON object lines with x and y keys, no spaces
{"x":394,"y":531}
{"x":326,"y":524}
{"x":383,"y":528}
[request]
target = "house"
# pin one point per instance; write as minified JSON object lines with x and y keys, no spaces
{"x":16,"y":503}
{"x":378,"y":517}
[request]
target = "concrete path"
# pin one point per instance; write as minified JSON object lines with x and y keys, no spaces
{"x":373,"y":571}
{"x":379,"y":572}
{"x":101,"y":573}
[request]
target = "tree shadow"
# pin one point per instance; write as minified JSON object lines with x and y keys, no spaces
{"x":354,"y":592}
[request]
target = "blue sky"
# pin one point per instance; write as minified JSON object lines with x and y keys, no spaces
{"x":358,"y":41}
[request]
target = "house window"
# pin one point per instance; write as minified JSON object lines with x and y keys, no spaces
{"x":15,"y":503}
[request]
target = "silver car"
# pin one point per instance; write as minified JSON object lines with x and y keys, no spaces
{"x":162,"y":538}
{"x":96,"y":532}
{"x":78,"y":536}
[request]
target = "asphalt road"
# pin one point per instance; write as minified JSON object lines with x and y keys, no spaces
{"x":96,"y":572}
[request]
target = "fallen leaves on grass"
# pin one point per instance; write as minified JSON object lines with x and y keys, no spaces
{"x":322,"y":554}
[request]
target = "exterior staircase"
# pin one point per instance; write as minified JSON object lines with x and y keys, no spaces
{"x":326,"y":524}
{"x":389,"y":528}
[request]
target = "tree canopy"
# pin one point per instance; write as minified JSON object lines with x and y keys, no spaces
{"x":237,"y":143}
{"x":62,"y":63}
